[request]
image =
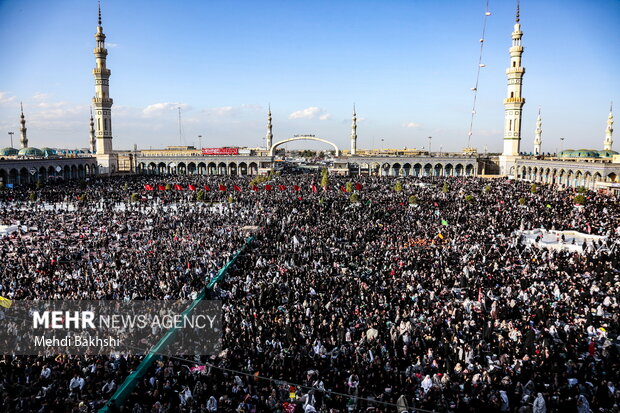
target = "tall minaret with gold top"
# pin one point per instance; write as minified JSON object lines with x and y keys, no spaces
{"x":23,"y":140}
{"x":609,"y":142}
{"x":354,"y":133}
{"x":103,"y":103}
{"x":514,"y":100}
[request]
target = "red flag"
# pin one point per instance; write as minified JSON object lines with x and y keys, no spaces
{"x":281,"y":187}
{"x":237,"y":188}
{"x":296,"y":188}
{"x":358,"y":187}
{"x":222,"y":187}
{"x":178,"y":187}
{"x":300,"y":198}
{"x":206,"y":187}
{"x":342,"y":188}
{"x":314,"y":189}
{"x":161,"y":187}
{"x":268,"y":187}
{"x":148,"y":187}
{"x":254,"y":188}
{"x":191,"y":187}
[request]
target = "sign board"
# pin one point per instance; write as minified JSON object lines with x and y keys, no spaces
{"x":220,"y":151}
{"x":32,"y":170}
{"x":58,"y":169}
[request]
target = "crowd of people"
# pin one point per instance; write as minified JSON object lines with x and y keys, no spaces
{"x":419,"y":297}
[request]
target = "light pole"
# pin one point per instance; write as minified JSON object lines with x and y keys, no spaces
{"x":382,"y":144}
{"x":429,"y":146}
{"x":561,"y":144}
{"x":200,"y":141}
{"x":11,"y":135}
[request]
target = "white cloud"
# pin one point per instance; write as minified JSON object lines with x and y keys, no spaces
{"x":40,"y":96}
{"x":111,"y":45}
{"x":230,"y":111}
{"x":158,"y":109}
{"x":411,"y":125}
{"x":312,"y":112}
{"x":6,"y":98}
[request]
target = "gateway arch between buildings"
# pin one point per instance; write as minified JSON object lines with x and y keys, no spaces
{"x":302,"y":138}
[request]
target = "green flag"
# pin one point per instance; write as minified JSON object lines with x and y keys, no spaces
{"x":444,"y":222}
{"x":548,"y":206}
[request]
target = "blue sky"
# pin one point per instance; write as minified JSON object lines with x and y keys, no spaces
{"x":407,"y":65}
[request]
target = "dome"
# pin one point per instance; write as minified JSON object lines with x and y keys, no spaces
{"x":585,"y":153}
{"x":8,"y":152}
{"x":30,"y":152}
{"x":48,"y":151}
{"x":607,"y":154}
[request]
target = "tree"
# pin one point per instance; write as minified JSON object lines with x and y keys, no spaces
{"x":534,"y":188}
{"x":582,"y":190}
{"x":349,"y":186}
{"x":200,"y":195}
{"x":354,"y":198}
{"x":522,"y":201}
{"x":398,"y":187}
{"x":580,"y":199}
{"x":413,"y":200}
{"x":32,"y":197}
{"x":469,"y":198}
{"x":324,"y":178}
{"x":445,"y":188}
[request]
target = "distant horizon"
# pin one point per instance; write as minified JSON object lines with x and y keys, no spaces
{"x":407,"y":67}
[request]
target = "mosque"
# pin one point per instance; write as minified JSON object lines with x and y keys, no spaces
{"x":593,"y":169}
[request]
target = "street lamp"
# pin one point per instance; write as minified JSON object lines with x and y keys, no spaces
{"x":200,"y":141}
{"x":561,"y":144}
{"x":11,"y":135}
{"x":382,"y":144}
{"x":429,"y":146}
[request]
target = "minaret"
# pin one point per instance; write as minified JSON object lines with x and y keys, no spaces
{"x":102,"y":101}
{"x":22,"y":130}
{"x":93,"y":141}
{"x":514,"y":101}
{"x":354,"y":133}
{"x":538,"y":135}
{"x":609,"y":142}
{"x":269,"y":137}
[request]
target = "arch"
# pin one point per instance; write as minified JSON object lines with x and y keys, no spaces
{"x":51,"y":172}
{"x":396,"y":169}
{"x":4,"y":176}
{"x":212,"y":168}
{"x":253,"y":168}
{"x":181,"y":168}
{"x":449,"y":170}
{"x":14,"y":176}
{"x":407,"y":169}
{"x":302,"y":138}
{"x":221,"y":168}
{"x":470,"y":170}
{"x":458,"y":169}
{"x":73,"y":172}
{"x":42,"y":174}
{"x":191,"y":168}
{"x":417,"y":169}
{"x":438,"y":170}
{"x":202,"y":168}
{"x":232,"y":168}
{"x":80,"y":171}
{"x":355,"y":168}
{"x":428,"y":169}
{"x":612,"y":177}
{"x":24,"y":176}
